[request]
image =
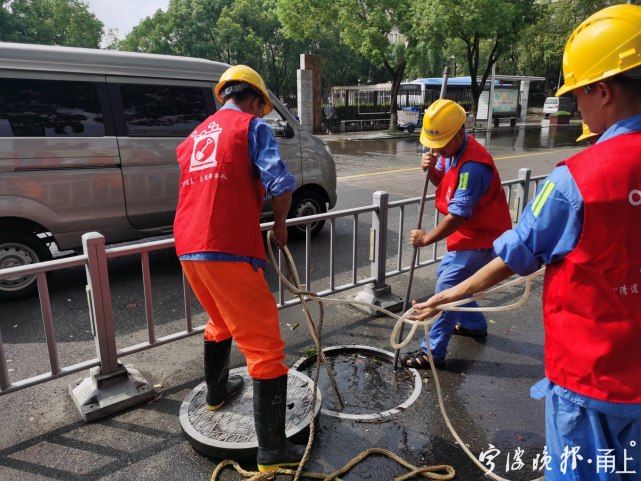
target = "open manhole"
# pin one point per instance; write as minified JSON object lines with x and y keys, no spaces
{"x":229,"y":432}
{"x":370,"y":387}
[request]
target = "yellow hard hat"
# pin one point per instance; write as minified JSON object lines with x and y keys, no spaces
{"x":606,"y":44}
{"x":586,"y":134}
{"x":246,"y":75}
{"x":441,"y":121}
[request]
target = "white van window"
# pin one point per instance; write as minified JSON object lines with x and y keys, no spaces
{"x":162,"y":111}
{"x":552,"y":101}
{"x":48,"y":108}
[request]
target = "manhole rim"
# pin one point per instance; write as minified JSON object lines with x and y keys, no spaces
{"x":199,"y":439}
{"x":382,"y":354}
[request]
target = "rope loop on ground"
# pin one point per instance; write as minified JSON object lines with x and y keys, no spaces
{"x":439,"y":472}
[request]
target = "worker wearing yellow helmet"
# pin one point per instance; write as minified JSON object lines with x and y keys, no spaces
{"x":584,"y":225}
{"x":228,"y":165}
{"x":472,"y":201}
{"x":587,"y":134}
{"x":239,"y":78}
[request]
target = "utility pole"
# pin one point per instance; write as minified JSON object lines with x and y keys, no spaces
{"x":490,"y":100}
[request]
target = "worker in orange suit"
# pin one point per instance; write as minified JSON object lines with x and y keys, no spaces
{"x":228,"y":165}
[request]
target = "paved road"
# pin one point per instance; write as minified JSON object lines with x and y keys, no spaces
{"x":486,"y":385}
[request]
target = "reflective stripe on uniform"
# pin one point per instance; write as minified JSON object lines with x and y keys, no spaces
{"x":463,"y":180}
{"x":542,"y":198}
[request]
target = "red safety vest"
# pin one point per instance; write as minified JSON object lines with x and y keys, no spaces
{"x":221,"y":197}
{"x":490,"y":218}
{"x":592,"y":298}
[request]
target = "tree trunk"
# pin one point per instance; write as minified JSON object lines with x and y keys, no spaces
{"x":473,"y":52}
{"x":396,"y":83}
{"x":472,"y":47}
{"x":475,"y":104}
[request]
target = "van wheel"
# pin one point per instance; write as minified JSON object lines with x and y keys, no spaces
{"x":19,"y":249}
{"x":306,"y":203}
{"x":411,"y":128}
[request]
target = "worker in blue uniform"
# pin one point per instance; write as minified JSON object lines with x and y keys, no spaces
{"x":585,"y":226}
{"x":471,"y":199}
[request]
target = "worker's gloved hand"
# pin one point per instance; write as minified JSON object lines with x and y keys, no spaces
{"x":280,"y":233}
{"x":417,"y":238}
{"x":428,"y":161}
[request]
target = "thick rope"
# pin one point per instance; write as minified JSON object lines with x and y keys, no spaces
{"x":439,"y":472}
{"x":295,"y":287}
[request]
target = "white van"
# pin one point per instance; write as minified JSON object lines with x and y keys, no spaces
{"x":558,"y":104}
{"x":88,"y":140}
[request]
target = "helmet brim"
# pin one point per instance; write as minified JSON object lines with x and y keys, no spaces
{"x":564,"y":89}
{"x":268,"y":107}
{"x":583,"y":137}
{"x":433,"y":144}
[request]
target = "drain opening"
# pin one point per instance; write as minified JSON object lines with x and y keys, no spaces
{"x":370,"y":387}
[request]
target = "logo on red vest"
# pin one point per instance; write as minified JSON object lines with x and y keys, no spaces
{"x":635,"y":197}
{"x":203,"y":154}
{"x":448,"y":194}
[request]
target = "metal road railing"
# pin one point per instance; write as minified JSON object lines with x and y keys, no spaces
{"x":95,"y":259}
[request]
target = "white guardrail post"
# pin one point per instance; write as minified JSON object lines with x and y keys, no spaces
{"x":379,"y":292}
{"x":110,"y":387}
{"x":522,"y":191}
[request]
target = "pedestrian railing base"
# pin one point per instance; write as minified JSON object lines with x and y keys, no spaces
{"x":100,"y":395}
{"x":381,"y":297}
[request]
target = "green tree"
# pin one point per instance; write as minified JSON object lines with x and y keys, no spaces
{"x":152,"y":35}
{"x":5,"y":18}
{"x":251,"y":34}
{"x":363,"y":25}
{"x":244,"y":31}
{"x":50,"y":22}
{"x":427,"y":60}
{"x":539,"y":50}
{"x":484,"y":29}
{"x":188,"y":28}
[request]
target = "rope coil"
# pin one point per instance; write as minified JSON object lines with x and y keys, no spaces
{"x":455,"y":306}
{"x":438,"y":472}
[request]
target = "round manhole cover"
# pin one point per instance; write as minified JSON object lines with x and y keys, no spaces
{"x":370,"y":387}
{"x":230,"y":432}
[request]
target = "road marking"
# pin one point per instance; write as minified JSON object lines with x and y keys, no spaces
{"x":408,"y":169}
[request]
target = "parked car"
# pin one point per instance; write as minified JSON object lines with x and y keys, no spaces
{"x":87,"y":143}
{"x":409,"y":118}
{"x":555,"y":104}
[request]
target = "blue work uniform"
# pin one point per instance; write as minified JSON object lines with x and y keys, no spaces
{"x":274,"y":175}
{"x":457,"y":266}
{"x":573,"y":420}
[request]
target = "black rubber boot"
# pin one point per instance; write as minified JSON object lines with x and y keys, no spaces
{"x":274,"y":451}
{"x":220,"y":387}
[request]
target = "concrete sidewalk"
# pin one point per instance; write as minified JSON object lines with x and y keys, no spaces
{"x":486,"y":388}
{"x":386,"y":135}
